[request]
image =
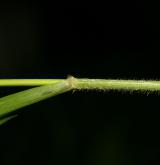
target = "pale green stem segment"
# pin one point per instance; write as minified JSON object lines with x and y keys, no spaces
{"x":21,"y":99}
{"x":88,"y":83}
{"x":130,"y":85}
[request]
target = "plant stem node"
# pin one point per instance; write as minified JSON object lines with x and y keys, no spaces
{"x":72,"y":81}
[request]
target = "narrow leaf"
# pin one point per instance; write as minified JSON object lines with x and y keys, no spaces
{"x":4,"y":120}
{"x":21,"y":99}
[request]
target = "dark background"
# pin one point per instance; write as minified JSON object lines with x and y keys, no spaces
{"x":116,"y":40}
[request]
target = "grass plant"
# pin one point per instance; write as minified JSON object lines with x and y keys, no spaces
{"x":47,"y":88}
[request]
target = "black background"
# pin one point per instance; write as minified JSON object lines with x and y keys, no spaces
{"x":116,"y":40}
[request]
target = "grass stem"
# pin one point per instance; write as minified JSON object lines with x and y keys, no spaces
{"x":89,"y":84}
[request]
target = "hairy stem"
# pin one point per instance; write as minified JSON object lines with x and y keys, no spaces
{"x":118,"y":84}
{"x":89,"y":84}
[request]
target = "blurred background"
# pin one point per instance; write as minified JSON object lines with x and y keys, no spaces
{"x":116,"y":40}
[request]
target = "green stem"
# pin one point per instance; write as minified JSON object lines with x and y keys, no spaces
{"x":88,"y":84}
{"x":118,"y":84}
{"x":28,"y":82}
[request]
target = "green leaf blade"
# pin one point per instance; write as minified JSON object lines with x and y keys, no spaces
{"x":4,"y":120}
{"x":21,"y":99}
